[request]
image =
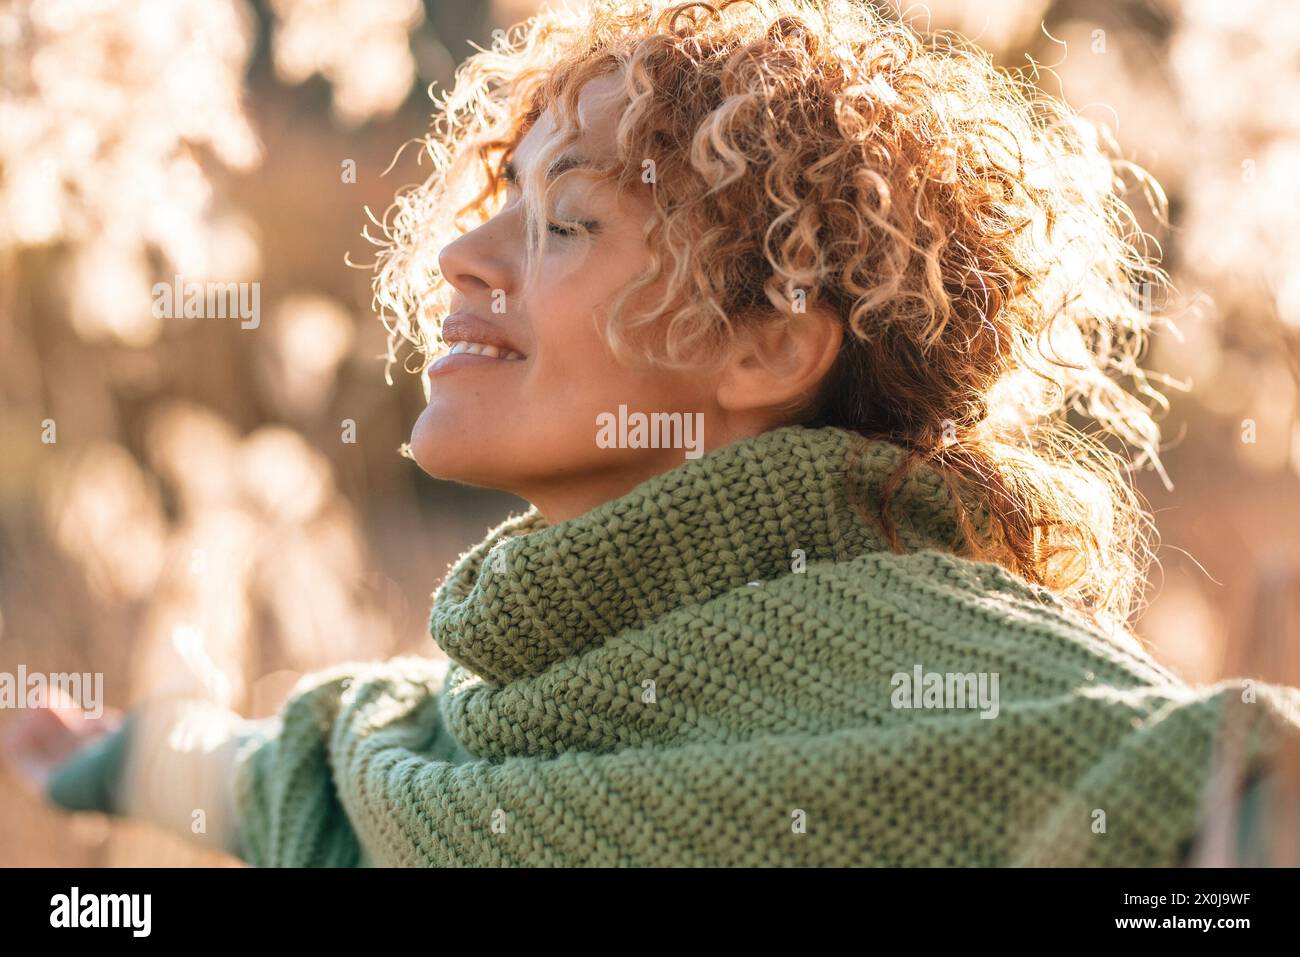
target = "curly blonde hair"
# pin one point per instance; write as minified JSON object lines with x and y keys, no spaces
{"x":969,"y":232}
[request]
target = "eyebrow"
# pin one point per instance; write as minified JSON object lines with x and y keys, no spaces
{"x":561,"y":165}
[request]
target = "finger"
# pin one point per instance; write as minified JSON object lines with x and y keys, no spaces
{"x":33,"y":733}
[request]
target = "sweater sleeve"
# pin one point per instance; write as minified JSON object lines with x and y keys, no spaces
{"x":287,"y":791}
{"x":362,"y":770}
{"x":168,"y":764}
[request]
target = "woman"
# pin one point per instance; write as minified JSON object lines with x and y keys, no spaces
{"x":773,"y":311}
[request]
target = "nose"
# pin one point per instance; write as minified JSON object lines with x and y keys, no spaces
{"x":478,"y":261}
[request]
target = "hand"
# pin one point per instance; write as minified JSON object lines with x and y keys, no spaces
{"x":42,"y":739}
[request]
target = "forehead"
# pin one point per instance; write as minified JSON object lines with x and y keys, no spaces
{"x":600,"y":103}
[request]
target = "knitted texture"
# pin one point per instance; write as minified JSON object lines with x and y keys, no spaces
{"x":704,"y":672}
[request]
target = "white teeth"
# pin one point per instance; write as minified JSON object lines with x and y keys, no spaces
{"x":482,"y":349}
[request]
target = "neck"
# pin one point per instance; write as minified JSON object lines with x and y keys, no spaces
{"x":565,"y":496}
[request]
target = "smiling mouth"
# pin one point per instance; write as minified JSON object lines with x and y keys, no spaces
{"x":465,"y":347}
{"x":466,"y":353}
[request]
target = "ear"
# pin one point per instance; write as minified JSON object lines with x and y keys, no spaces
{"x":777,"y":364}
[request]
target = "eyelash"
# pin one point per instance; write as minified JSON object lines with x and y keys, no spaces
{"x":563,"y":233}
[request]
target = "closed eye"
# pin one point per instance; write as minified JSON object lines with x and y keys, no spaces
{"x":587,"y":226}
{"x":510,"y":177}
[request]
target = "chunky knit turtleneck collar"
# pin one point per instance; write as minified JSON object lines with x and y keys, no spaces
{"x":532,"y":594}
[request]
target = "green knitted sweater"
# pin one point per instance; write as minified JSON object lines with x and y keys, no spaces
{"x":727,"y":666}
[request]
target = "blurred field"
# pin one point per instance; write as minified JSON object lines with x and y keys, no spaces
{"x":201,"y":516}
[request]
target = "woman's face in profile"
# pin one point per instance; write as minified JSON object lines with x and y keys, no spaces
{"x":515,"y":406}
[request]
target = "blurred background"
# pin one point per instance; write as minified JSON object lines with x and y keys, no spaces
{"x":191,"y":501}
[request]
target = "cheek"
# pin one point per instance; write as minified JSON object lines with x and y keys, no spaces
{"x":577,"y":375}
{"x":570,"y":354}
{"x":572,"y":375}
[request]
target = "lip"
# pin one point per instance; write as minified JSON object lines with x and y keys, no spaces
{"x":464,"y":327}
{"x":461,"y":326}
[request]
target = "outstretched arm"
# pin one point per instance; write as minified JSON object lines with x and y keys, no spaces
{"x":168,"y":763}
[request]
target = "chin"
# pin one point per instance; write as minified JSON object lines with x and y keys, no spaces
{"x":447,"y":448}
{"x":442,"y":450}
